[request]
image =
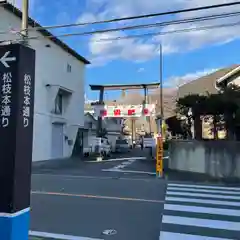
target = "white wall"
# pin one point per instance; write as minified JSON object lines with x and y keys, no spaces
{"x":51,"y":68}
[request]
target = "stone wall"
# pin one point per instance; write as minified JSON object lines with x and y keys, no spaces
{"x":218,"y":159}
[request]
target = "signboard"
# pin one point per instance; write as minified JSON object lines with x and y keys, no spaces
{"x":149,"y":142}
{"x":124,"y":111}
{"x":17,"y":73}
{"x":159,"y":157}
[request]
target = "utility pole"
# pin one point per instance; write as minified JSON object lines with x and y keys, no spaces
{"x":161,"y":88}
{"x":25,"y":10}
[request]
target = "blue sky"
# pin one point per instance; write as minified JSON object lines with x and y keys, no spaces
{"x":186,"y":55}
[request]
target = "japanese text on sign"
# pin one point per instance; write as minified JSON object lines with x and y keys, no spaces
{"x":159,"y":160}
{"x":6,"y":98}
{"x":26,"y":101}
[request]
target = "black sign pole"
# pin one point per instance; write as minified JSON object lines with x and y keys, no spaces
{"x":17,"y":77}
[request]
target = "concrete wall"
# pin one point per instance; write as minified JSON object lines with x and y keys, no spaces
{"x":51,"y":68}
{"x":218,"y":159}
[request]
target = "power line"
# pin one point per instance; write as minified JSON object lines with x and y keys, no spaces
{"x":184,"y":30}
{"x":159,"y":33}
{"x":163,"y":24}
{"x":136,"y":17}
{"x":132,"y":27}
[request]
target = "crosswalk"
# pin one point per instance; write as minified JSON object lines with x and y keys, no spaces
{"x":201,"y":212}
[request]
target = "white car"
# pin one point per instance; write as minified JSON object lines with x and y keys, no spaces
{"x":106,"y":148}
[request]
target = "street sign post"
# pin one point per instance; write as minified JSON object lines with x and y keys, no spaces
{"x":17,"y":78}
{"x":159,"y":157}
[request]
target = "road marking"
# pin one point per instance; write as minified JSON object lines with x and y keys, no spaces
{"x":91,"y":177}
{"x":197,"y":200}
{"x":208,"y":210}
{"x":59,"y":236}
{"x":127,"y":171}
{"x":116,"y":159}
{"x":182,"y":236}
{"x":203,"y":186}
{"x":96,"y":196}
{"x":198,"y":222}
{"x":199,"y":190}
{"x":123,"y":164}
{"x":203,"y":195}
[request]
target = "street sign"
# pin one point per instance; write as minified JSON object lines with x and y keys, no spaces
{"x":6,"y":59}
{"x":17,"y":78}
{"x":159,"y":157}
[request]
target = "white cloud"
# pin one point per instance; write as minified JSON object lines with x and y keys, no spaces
{"x":177,"y":81}
{"x":127,"y":49}
{"x":137,"y":50}
{"x":141,"y":70}
{"x":87,"y":17}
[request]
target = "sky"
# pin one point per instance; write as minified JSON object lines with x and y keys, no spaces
{"x":186,"y":56}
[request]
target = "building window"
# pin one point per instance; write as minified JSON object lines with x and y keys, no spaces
{"x":69,"y":68}
{"x":58,"y":104}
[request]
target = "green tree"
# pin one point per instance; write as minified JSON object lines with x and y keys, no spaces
{"x":198,"y":105}
{"x":230,"y":102}
{"x":226,"y":103}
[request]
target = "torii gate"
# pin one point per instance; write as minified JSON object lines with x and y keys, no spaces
{"x":123,"y":88}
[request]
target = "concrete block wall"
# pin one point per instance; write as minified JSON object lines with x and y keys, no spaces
{"x":218,"y":159}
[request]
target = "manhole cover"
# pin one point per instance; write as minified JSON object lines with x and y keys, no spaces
{"x":109,"y":232}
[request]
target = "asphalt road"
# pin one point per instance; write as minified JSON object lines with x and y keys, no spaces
{"x":86,"y":206}
{"x":92,"y":168}
{"x":85,"y":198}
{"x":82,"y":199}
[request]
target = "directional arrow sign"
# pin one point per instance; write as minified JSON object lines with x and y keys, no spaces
{"x":5,"y":59}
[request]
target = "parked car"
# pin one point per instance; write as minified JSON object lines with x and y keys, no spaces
{"x":106,"y":148}
{"x":102,"y":143}
{"x":122,"y":145}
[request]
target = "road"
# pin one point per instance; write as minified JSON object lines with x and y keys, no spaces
{"x":87,"y":206}
{"x":85,"y":198}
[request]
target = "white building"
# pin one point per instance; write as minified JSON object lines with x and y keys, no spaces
{"x":112,"y":125}
{"x":59,"y":88}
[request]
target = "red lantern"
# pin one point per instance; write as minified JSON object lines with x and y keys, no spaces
{"x":131,"y":111}
{"x":145,"y":111}
{"x":117,"y":112}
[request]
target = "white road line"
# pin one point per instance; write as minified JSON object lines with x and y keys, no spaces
{"x":89,"y":177}
{"x":208,"y":210}
{"x":127,"y":171}
{"x":117,"y":159}
{"x":123,"y":164}
{"x":204,"y":195}
{"x":214,"y":224}
{"x":203,"y":186}
{"x":182,"y":236}
{"x":196,"y":200}
{"x":204,"y":190}
{"x":59,"y":236}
